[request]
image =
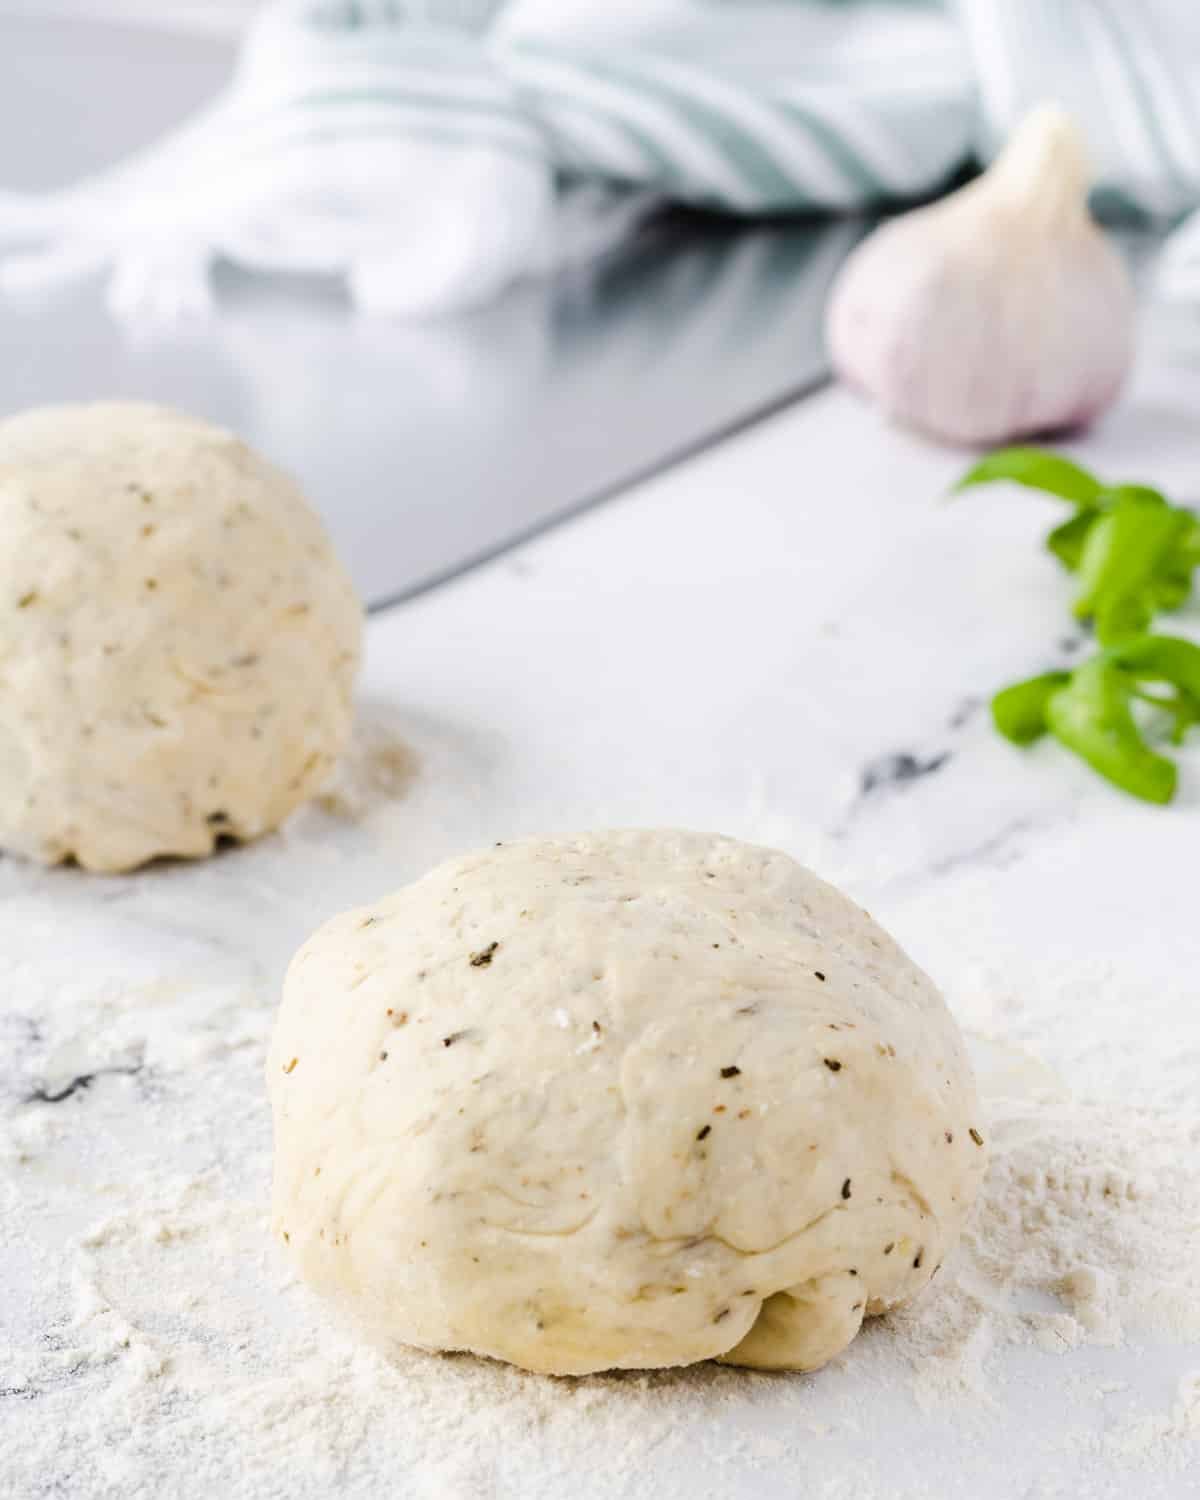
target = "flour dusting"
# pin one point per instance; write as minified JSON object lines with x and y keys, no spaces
{"x":157,"y":1346}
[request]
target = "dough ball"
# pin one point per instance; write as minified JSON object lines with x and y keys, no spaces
{"x":179,"y":641}
{"x":618,"y":1101}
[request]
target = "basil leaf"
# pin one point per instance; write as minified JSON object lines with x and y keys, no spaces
{"x":1037,"y":469}
{"x":1067,"y":541}
{"x":1019,"y":711}
{"x":1135,"y":555}
{"x":1126,"y":554}
{"x":1172,"y":585}
{"x":1189,"y":543}
{"x":1092,"y":717}
{"x":1180,"y":708}
{"x":1124,"y":617}
{"x":1161,"y":658}
{"x":1137,"y":494}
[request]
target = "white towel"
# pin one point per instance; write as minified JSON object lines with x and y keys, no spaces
{"x":432,"y":151}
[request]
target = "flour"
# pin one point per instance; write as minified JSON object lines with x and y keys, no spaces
{"x":1088,"y":1228}
{"x":378,"y":767}
{"x":157,"y":1348}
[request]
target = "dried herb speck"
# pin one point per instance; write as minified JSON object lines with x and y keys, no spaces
{"x":383,"y":1057}
{"x":833,"y":1065}
{"x":975,"y":1136}
{"x":846,"y":1188}
{"x":918,"y":1258}
{"x":730,"y":1072}
{"x":27,"y":599}
{"x":949,"y":1137}
{"x":887,"y":1249}
{"x":724,"y":1313}
{"x":455,"y":1036}
{"x":483,"y":958}
{"x":703,"y":1132}
{"x":819,"y":975}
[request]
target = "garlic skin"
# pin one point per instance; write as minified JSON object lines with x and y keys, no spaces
{"x":1000,"y":311}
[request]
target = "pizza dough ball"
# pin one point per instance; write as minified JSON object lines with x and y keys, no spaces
{"x":178,"y":641}
{"x":618,"y":1101}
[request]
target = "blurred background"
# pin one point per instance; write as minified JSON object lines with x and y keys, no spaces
{"x":460,"y":434}
{"x":219,"y":17}
{"x":467,"y":268}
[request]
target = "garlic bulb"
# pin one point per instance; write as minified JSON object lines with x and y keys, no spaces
{"x":997,"y":312}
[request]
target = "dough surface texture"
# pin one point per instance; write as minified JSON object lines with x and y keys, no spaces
{"x":178,"y":641}
{"x":621,"y":1100}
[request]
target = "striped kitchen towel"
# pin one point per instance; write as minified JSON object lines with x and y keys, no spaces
{"x":432,"y":151}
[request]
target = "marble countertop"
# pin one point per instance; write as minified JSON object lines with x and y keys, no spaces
{"x":790,"y":639}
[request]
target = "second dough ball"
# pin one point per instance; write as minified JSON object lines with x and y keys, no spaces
{"x":178,"y":643}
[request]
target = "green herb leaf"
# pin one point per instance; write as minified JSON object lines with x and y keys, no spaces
{"x":1129,"y":557}
{"x":1037,"y":469}
{"x":1135,"y":554}
{"x":1019,"y":712}
{"x":1173,"y":662}
{"x":1172,"y":584}
{"x":1181,"y":710}
{"x":1136,"y":494}
{"x":1124,"y":617}
{"x":1092,"y":717}
{"x":1068,"y":540}
{"x":1090,"y":710}
{"x":1161,"y":658}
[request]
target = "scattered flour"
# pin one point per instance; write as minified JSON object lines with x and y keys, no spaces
{"x":156,"y":1347}
{"x":379,"y":766}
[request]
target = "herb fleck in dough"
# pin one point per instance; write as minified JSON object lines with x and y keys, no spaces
{"x":695,"y":1104}
{"x":178,"y":641}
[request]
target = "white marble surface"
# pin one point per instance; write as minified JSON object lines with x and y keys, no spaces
{"x":754,"y":643}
